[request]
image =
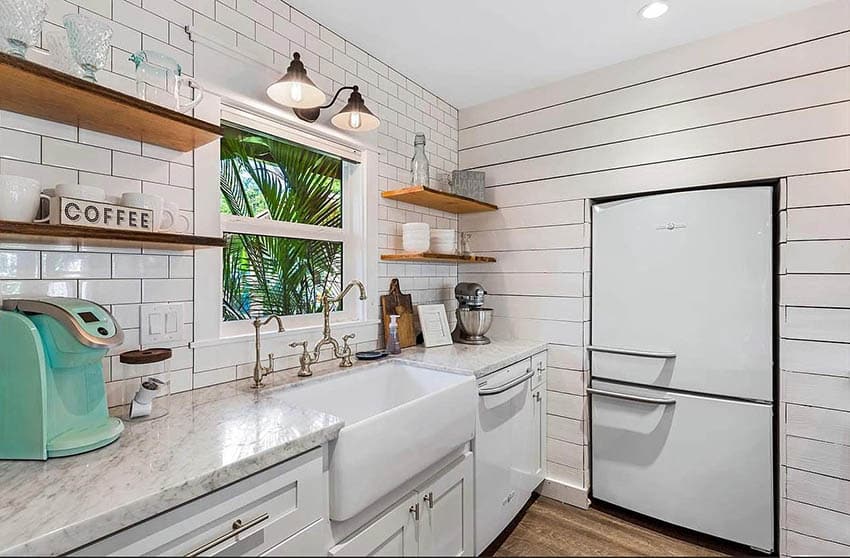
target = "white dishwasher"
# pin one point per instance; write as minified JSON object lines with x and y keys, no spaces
{"x":506,"y":472}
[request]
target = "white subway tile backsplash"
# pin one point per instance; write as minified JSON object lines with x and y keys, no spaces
{"x":97,"y":139}
{"x":19,"y":264}
{"x":139,"y":266}
{"x":166,"y":290}
{"x":133,"y":166}
{"x":62,"y":153}
{"x":181,"y":267}
{"x":141,"y":20}
{"x":37,"y":288}
{"x":75,"y":265}
{"x":33,"y":125}
{"x":127,"y":315}
{"x":20,"y":145}
{"x":112,"y":291}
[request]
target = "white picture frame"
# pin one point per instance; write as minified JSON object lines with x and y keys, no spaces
{"x":434,"y":324}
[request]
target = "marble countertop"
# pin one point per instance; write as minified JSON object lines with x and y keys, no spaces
{"x":478,"y":360}
{"x":212,"y":437}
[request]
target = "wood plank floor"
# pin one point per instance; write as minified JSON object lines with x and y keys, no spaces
{"x":550,"y":528}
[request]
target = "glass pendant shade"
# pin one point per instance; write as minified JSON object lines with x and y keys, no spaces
{"x":355,"y":117}
{"x":295,"y":89}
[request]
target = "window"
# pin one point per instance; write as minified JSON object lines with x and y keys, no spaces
{"x":287,"y":215}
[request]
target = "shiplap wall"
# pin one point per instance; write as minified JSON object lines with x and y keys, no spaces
{"x":770,"y":101}
{"x":263,"y":33}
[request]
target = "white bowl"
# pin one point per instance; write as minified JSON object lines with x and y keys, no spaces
{"x":410,"y":245}
{"x":415,"y":237}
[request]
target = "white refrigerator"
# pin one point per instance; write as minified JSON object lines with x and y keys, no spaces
{"x":682,"y":360}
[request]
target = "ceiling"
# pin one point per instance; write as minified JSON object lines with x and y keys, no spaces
{"x":471,"y":51}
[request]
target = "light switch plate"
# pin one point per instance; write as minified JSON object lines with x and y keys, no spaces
{"x":161,"y":323}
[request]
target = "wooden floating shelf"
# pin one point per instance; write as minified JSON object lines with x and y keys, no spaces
{"x":109,"y":237}
{"x":35,"y":90}
{"x":435,"y":258}
{"x":444,"y":201}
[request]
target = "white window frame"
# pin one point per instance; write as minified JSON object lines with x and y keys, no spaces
{"x":353,"y":233}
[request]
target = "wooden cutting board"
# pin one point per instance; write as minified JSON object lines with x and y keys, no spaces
{"x":400,"y":304}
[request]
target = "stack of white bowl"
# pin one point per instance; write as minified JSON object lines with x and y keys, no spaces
{"x":415,"y":237}
{"x":444,"y":241}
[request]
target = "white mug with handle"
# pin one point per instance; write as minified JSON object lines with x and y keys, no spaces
{"x":179,"y":222}
{"x":163,"y":217}
{"x":20,"y":199}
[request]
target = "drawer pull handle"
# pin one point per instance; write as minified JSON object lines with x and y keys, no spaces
{"x":505,"y":387}
{"x":414,"y":509}
{"x":630,"y":397}
{"x":430,"y":499}
{"x":630,"y":352}
{"x":540,"y":367}
{"x":238,"y":527}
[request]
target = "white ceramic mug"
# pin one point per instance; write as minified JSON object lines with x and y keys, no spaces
{"x":20,"y":199}
{"x":80,"y":192}
{"x":163,"y":218}
{"x":180,"y":223}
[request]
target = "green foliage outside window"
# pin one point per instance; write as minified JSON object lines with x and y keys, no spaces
{"x":266,"y":178}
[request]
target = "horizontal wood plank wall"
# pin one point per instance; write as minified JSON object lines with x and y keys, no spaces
{"x":768,"y":102}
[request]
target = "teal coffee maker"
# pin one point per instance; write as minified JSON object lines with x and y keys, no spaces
{"x":52,"y":392}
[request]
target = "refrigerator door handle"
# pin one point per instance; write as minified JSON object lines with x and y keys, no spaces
{"x":630,"y":397}
{"x":631,"y":352}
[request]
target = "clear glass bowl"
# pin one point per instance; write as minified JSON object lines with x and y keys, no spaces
{"x":20,"y":23}
{"x":89,"y":40}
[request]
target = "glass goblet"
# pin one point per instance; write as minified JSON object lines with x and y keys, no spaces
{"x":89,"y":40}
{"x":20,"y":24}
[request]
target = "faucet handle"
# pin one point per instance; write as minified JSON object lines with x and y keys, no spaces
{"x":345,"y":353}
{"x":296,"y":344}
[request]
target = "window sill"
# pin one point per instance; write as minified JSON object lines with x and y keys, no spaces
{"x":299,"y":332}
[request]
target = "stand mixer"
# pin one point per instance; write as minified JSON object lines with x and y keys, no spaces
{"x":473,"y":320}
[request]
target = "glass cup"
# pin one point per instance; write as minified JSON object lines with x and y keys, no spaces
{"x":89,"y":40}
{"x":159,"y":79}
{"x":20,"y":23}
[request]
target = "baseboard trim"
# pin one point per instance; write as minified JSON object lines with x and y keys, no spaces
{"x":566,"y":493}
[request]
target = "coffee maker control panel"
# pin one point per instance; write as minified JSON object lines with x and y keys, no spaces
{"x":90,"y":323}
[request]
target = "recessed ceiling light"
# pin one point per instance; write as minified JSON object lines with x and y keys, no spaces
{"x":654,"y":10}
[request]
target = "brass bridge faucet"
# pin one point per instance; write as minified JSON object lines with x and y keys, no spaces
{"x":261,"y":371}
{"x":343,"y":353}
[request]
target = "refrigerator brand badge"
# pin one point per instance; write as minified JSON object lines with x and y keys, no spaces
{"x":671,"y":226}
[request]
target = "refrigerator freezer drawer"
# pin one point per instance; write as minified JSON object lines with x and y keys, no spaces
{"x":699,"y":462}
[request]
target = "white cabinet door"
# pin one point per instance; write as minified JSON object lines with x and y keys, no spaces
{"x":538,"y":437}
{"x":392,"y":534}
{"x":447,"y":516}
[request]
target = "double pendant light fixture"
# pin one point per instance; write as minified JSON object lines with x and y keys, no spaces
{"x":297,"y":91}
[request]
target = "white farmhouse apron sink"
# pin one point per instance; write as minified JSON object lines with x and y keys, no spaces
{"x":399,"y":420}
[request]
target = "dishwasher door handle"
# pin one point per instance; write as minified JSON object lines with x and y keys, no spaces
{"x":630,"y":397}
{"x":506,"y":386}
{"x":630,"y":352}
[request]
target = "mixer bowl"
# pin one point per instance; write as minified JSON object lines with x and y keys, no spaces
{"x":474,"y":323}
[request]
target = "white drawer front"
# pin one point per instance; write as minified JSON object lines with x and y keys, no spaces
{"x":700,"y":462}
{"x":270,"y":506}
{"x":314,"y":540}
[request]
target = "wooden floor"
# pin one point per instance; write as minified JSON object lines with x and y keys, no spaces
{"x":549,"y":528}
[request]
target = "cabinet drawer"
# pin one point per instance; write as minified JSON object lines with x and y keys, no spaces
{"x":538,"y":364}
{"x":310,"y":541}
{"x":246,"y":518}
